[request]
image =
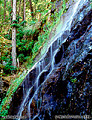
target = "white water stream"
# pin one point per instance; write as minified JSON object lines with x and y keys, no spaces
{"x":41,"y":65}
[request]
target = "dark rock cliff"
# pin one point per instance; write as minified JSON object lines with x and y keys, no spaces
{"x":67,"y":89}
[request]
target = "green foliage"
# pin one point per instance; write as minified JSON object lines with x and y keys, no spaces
{"x":24,"y":49}
{"x":73,"y":79}
{"x":14,"y":21}
{"x":22,"y":23}
{"x":30,"y":45}
{"x":15,"y":25}
{"x":18,"y":17}
{"x":30,"y":30}
{"x":32,"y":22}
{"x":24,"y":46}
{"x":5,"y":58}
{"x":6,"y":101}
{"x":20,"y":33}
{"x":8,"y":36}
{"x":27,"y":32}
{"x":9,"y":68}
{"x":36,"y":47}
{"x":64,"y":4}
{"x":35,"y":1}
{"x":21,"y":57}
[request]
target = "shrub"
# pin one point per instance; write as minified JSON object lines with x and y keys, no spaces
{"x":21,"y":57}
{"x":9,"y":68}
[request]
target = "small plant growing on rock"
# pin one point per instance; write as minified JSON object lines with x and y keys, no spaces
{"x":73,"y":80}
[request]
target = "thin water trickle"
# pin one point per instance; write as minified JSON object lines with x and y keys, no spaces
{"x":67,"y":66}
{"x":23,"y":91}
{"x":37,"y":80}
{"x":37,"y":87}
{"x":51,"y":51}
{"x":24,"y":103}
{"x":35,"y":94}
{"x":59,"y":41}
{"x":53,"y":60}
{"x":39,"y":67}
{"x":43,"y":64}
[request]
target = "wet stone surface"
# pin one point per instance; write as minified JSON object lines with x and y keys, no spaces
{"x":67,"y":88}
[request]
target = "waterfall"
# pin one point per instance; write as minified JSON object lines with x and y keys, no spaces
{"x":39,"y":67}
{"x":37,"y":81}
{"x":47,"y":63}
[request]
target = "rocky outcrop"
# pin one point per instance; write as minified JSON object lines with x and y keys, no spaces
{"x":68,"y":89}
{"x":61,"y":82}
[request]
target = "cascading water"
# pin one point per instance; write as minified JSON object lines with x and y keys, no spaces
{"x":42,"y":69}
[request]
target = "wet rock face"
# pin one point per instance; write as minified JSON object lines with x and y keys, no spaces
{"x":67,"y":88}
{"x":16,"y":101}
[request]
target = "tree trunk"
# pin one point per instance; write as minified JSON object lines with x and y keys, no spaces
{"x":19,"y":9}
{"x":4,"y":10}
{"x":24,"y":14}
{"x":24,"y":10}
{"x":0,"y":14}
{"x":14,"y":36}
{"x":31,"y":8}
{"x":12,"y":3}
{"x":11,"y":11}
